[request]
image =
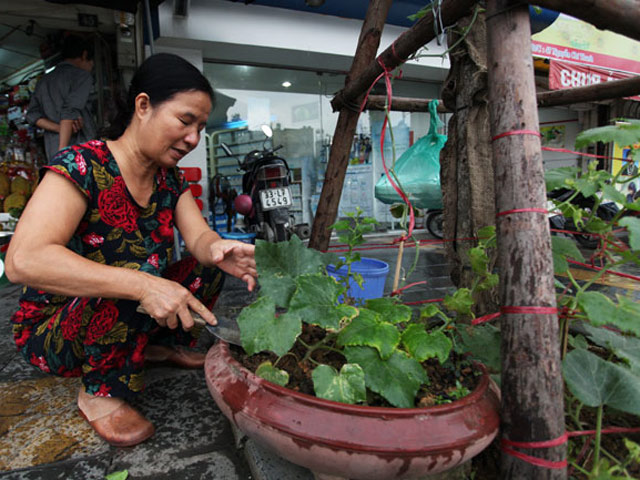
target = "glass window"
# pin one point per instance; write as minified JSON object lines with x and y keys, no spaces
{"x":296,"y":104}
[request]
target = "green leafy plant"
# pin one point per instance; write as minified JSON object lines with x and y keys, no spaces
{"x":382,"y":343}
{"x":600,"y":343}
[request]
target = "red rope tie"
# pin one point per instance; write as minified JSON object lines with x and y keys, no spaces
{"x":539,"y":462}
{"x":485,"y":318}
{"x":516,"y":132}
{"x":400,"y":290}
{"x":524,"y":309}
{"x":523,"y":210}
{"x":395,"y":55}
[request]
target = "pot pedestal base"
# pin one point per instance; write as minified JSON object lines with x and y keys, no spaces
{"x":266,"y":465}
{"x":461,"y":472}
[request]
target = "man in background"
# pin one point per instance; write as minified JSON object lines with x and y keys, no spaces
{"x":60,"y":103}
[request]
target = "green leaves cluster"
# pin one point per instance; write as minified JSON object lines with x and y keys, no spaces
{"x":381,"y":342}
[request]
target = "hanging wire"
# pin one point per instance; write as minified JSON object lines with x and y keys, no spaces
{"x":438,"y":24}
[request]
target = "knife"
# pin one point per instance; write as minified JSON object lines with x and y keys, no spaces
{"x":226,"y":329}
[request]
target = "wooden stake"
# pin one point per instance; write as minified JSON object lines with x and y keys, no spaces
{"x":346,"y":127}
{"x":532,"y":385}
{"x":396,"y":277}
{"x":601,"y":91}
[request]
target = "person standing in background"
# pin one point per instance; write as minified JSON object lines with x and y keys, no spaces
{"x":60,"y":103}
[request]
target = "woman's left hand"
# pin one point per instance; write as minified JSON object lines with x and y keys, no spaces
{"x":237,"y":259}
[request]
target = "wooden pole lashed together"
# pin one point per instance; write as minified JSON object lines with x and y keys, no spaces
{"x":368,"y":44}
{"x":532,"y":384}
{"x":409,"y":42}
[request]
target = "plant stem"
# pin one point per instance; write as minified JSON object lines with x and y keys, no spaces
{"x":580,"y":469}
{"x":596,"y":451}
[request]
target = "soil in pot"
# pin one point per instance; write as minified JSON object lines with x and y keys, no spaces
{"x":445,"y":380}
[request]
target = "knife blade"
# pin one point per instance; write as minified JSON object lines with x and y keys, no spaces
{"x":226,"y":329}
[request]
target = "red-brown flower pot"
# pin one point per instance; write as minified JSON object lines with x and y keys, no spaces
{"x":350,"y":441}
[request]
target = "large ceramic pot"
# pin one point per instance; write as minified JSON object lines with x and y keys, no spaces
{"x":355,"y":442}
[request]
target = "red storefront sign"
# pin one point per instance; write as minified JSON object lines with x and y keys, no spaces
{"x":564,"y":75}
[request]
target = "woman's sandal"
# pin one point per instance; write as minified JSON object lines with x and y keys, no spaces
{"x":122,"y":427}
{"x":179,"y":356}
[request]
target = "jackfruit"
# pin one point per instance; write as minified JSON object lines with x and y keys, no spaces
{"x":5,"y":185}
{"x":20,"y":185}
{"x":16,"y":200}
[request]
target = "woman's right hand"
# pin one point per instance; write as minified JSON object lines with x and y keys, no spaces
{"x":169,"y":303}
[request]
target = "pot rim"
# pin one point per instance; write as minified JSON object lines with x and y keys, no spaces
{"x":364,"y":410}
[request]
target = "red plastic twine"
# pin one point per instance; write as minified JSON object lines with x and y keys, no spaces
{"x":539,"y":462}
{"x":515,"y":309}
{"x":386,"y":73}
{"x":562,"y":439}
{"x":523,"y":210}
{"x":516,"y":132}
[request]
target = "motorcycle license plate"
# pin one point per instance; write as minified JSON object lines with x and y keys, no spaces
{"x":275,"y":198}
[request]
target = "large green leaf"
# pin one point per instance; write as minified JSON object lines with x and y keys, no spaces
{"x":612,"y":193}
{"x":367,"y":329}
{"x":272,"y":374}
{"x":483,"y":342}
{"x":625,"y":347}
{"x":423,"y":345}
{"x":315,"y":301}
{"x":622,"y":134}
{"x":390,"y":309}
{"x":597,"y":382}
{"x":261,"y":330}
{"x":562,"y":248}
{"x":556,"y":177}
{"x":346,"y":386}
{"x":461,"y":301}
{"x":603,"y":311}
{"x":633,"y":226}
{"x":396,"y":379}
{"x":479,"y":260}
{"x":279,"y":264}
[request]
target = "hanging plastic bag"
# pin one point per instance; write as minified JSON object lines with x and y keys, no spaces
{"x":418,"y":170}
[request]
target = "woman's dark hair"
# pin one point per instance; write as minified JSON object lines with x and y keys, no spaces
{"x":160,"y":76}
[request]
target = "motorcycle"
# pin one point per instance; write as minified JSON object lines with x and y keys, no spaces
{"x":266,"y":196}
{"x":606,"y":211}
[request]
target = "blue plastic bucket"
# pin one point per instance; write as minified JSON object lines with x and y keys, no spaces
{"x":243,"y":237}
{"x":374,"y":275}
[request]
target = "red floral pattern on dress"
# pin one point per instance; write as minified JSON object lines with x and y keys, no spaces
{"x":40,"y":362}
{"x":21,"y":336}
{"x":71,"y":324}
{"x":195,"y":285}
{"x":82,"y":165}
{"x":101,"y":322}
{"x":114,"y":359}
{"x":103,"y":391}
{"x":179,"y":271}
{"x":137,"y":357}
{"x":164,"y":232}
{"x":116,"y":209}
{"x":154,"y":260}
{"x":93,"y":239}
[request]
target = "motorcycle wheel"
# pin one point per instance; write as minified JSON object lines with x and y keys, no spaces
{"x":280,"y":232}
{"x":585,"y":240}
{"x":434,"y":223}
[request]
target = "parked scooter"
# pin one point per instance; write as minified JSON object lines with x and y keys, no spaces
{"x":606,"y":211}
{"x":266,"y":196}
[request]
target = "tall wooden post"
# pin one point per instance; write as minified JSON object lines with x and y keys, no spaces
{"x":532,"y":386}
{"x":366,"y":50}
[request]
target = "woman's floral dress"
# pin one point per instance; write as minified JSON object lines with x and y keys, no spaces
{"x":100,"y":339}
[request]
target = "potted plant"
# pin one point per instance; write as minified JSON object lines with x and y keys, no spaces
{"x":342,"y":389}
